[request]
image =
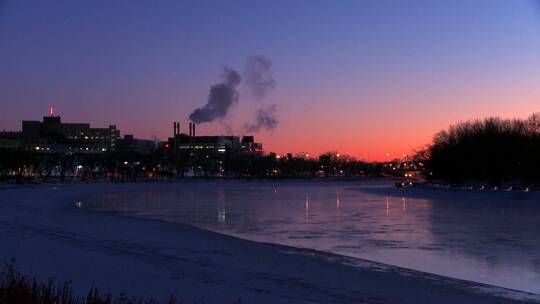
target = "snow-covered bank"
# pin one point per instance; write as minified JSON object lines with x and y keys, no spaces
{"x":42,"y":228}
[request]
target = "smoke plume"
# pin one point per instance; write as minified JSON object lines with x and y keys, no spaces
{"x":265,"y":119}
{"x":258,"y":75}
{"x":221,"y":97}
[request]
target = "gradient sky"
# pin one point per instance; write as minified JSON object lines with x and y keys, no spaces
{"x":361,"y":77}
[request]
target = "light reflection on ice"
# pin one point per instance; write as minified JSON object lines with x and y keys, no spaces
{"x":484,"y":239}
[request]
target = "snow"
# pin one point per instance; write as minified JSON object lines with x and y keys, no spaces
{"x":42,"y":228}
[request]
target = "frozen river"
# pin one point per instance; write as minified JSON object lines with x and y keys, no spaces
{"x":492,"y":238}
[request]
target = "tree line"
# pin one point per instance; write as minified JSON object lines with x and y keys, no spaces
{"x":491,"y":150}
{"x":30,"y":166}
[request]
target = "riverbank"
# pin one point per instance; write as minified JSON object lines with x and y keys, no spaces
{"x":41,"y":227}
{"x":467,"y":191}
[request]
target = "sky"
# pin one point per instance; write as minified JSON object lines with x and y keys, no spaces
{"x":365,"y":78}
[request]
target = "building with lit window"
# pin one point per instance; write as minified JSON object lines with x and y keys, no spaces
{"x":52,"y":135}
{"x":212,"y":145}
{"x":249,"y":146}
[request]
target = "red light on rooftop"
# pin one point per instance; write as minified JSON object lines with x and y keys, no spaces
{"x":51,"y":111}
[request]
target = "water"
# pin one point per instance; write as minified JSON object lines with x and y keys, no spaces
{"x":488,"y":238}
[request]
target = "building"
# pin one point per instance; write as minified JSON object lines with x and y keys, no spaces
{"x":10,"y":140}
{"x":52,"y":135}
{"x":249,"y":146}
{"x":131,"y":144}
{"x":212,"y":145}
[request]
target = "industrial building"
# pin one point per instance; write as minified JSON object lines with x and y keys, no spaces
{"x":52,"y":135}
{"x":182,"y":143}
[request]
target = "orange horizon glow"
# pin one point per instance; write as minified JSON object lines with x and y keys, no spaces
{"x":371,"y":138}
{"x":374,"y":81}
{"x":368,"y":141}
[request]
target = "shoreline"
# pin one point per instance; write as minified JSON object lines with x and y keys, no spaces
{"x":52,"y":182}
{"x":41,"y":227}
{"x":428,"y":190}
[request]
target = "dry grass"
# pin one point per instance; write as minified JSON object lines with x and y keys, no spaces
{"x":16,"y":288}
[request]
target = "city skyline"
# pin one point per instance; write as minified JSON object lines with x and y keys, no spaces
{"x":362,"y":78}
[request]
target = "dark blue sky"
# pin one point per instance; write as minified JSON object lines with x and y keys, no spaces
{"x":363,"y":77}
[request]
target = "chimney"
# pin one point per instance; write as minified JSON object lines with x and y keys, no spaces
{"x":190,"y":130}
{"x":193,"y":130}
{"x":174,"y":128}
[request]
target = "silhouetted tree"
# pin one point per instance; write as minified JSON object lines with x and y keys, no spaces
{"x":492,"y":150}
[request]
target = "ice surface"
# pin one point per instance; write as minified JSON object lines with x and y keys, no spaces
{"x":51,"y":234}
{"x":482,"y":237}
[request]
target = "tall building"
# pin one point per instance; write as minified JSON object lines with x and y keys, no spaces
{"x":52,"y":135}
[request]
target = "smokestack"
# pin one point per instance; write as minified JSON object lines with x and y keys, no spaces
{"x":174,"y":128}
{"x":193,"y":129}
{"x":189,"y":129}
